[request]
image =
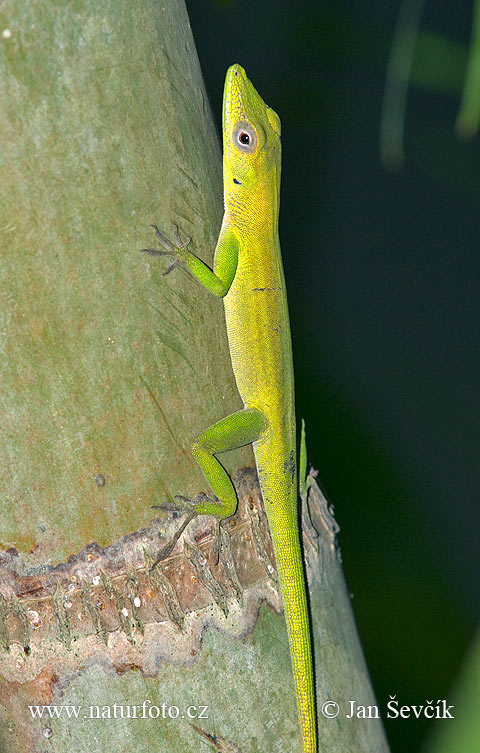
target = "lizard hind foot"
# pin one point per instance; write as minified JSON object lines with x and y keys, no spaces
{"x":202,"y":504}
{"x":190,"y":506}
{"x":193,"y":502}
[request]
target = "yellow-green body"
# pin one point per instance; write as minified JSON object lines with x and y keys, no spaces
{"x":248,"y":274}
{"x":258,"y":328}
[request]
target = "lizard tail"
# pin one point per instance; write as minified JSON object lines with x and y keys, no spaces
{"x":289,"y":560}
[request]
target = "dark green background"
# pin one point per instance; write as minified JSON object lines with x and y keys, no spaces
{"x":383,"y":278}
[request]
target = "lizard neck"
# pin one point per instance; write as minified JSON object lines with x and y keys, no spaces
{"x":253,"y":209}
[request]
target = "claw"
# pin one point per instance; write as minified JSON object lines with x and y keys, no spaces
{"x":175,"y":263}
{"x":178,"y":240}
{"x":216,"y":546}
{"x":183,"y":504}
{"x":160,"y":236}
{"x":168,"y":548}
{"x":156,"y":252}
{"x":192,"y":502}
{"x":168,"y":248}
{"x":188,"y":505}
{"x":168,"y":507}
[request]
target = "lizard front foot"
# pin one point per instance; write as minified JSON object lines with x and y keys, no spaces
{"x":179,"y":250}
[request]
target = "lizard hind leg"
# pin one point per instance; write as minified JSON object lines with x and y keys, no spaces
{"x":237,"y":430}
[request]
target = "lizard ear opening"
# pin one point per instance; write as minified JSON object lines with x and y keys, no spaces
{"x":274,"y":120}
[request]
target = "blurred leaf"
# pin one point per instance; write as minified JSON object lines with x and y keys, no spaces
{"x":469,"y":115}
{"x":396,"y":83}
{"x":439,"y":63}
{"x":462,"y":734}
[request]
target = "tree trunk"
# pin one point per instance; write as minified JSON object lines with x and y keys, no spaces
{"x":108,"y":371}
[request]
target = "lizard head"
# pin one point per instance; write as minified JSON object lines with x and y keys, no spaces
{"x":251,"y":134}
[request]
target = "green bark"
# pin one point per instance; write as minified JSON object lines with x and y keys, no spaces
{"x":105,"y":129}
{"x":108,"y":371}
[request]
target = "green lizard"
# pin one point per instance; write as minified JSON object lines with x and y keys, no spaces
{"x":248,"y":274}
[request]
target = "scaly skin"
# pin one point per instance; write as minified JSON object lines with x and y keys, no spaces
{"x":260,"y":346}
{"x":248,"y":274}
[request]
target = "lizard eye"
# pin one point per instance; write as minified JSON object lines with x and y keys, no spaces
{"x":245,"y":138}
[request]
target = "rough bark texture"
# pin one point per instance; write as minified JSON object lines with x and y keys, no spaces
{"x":108,"y":371}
